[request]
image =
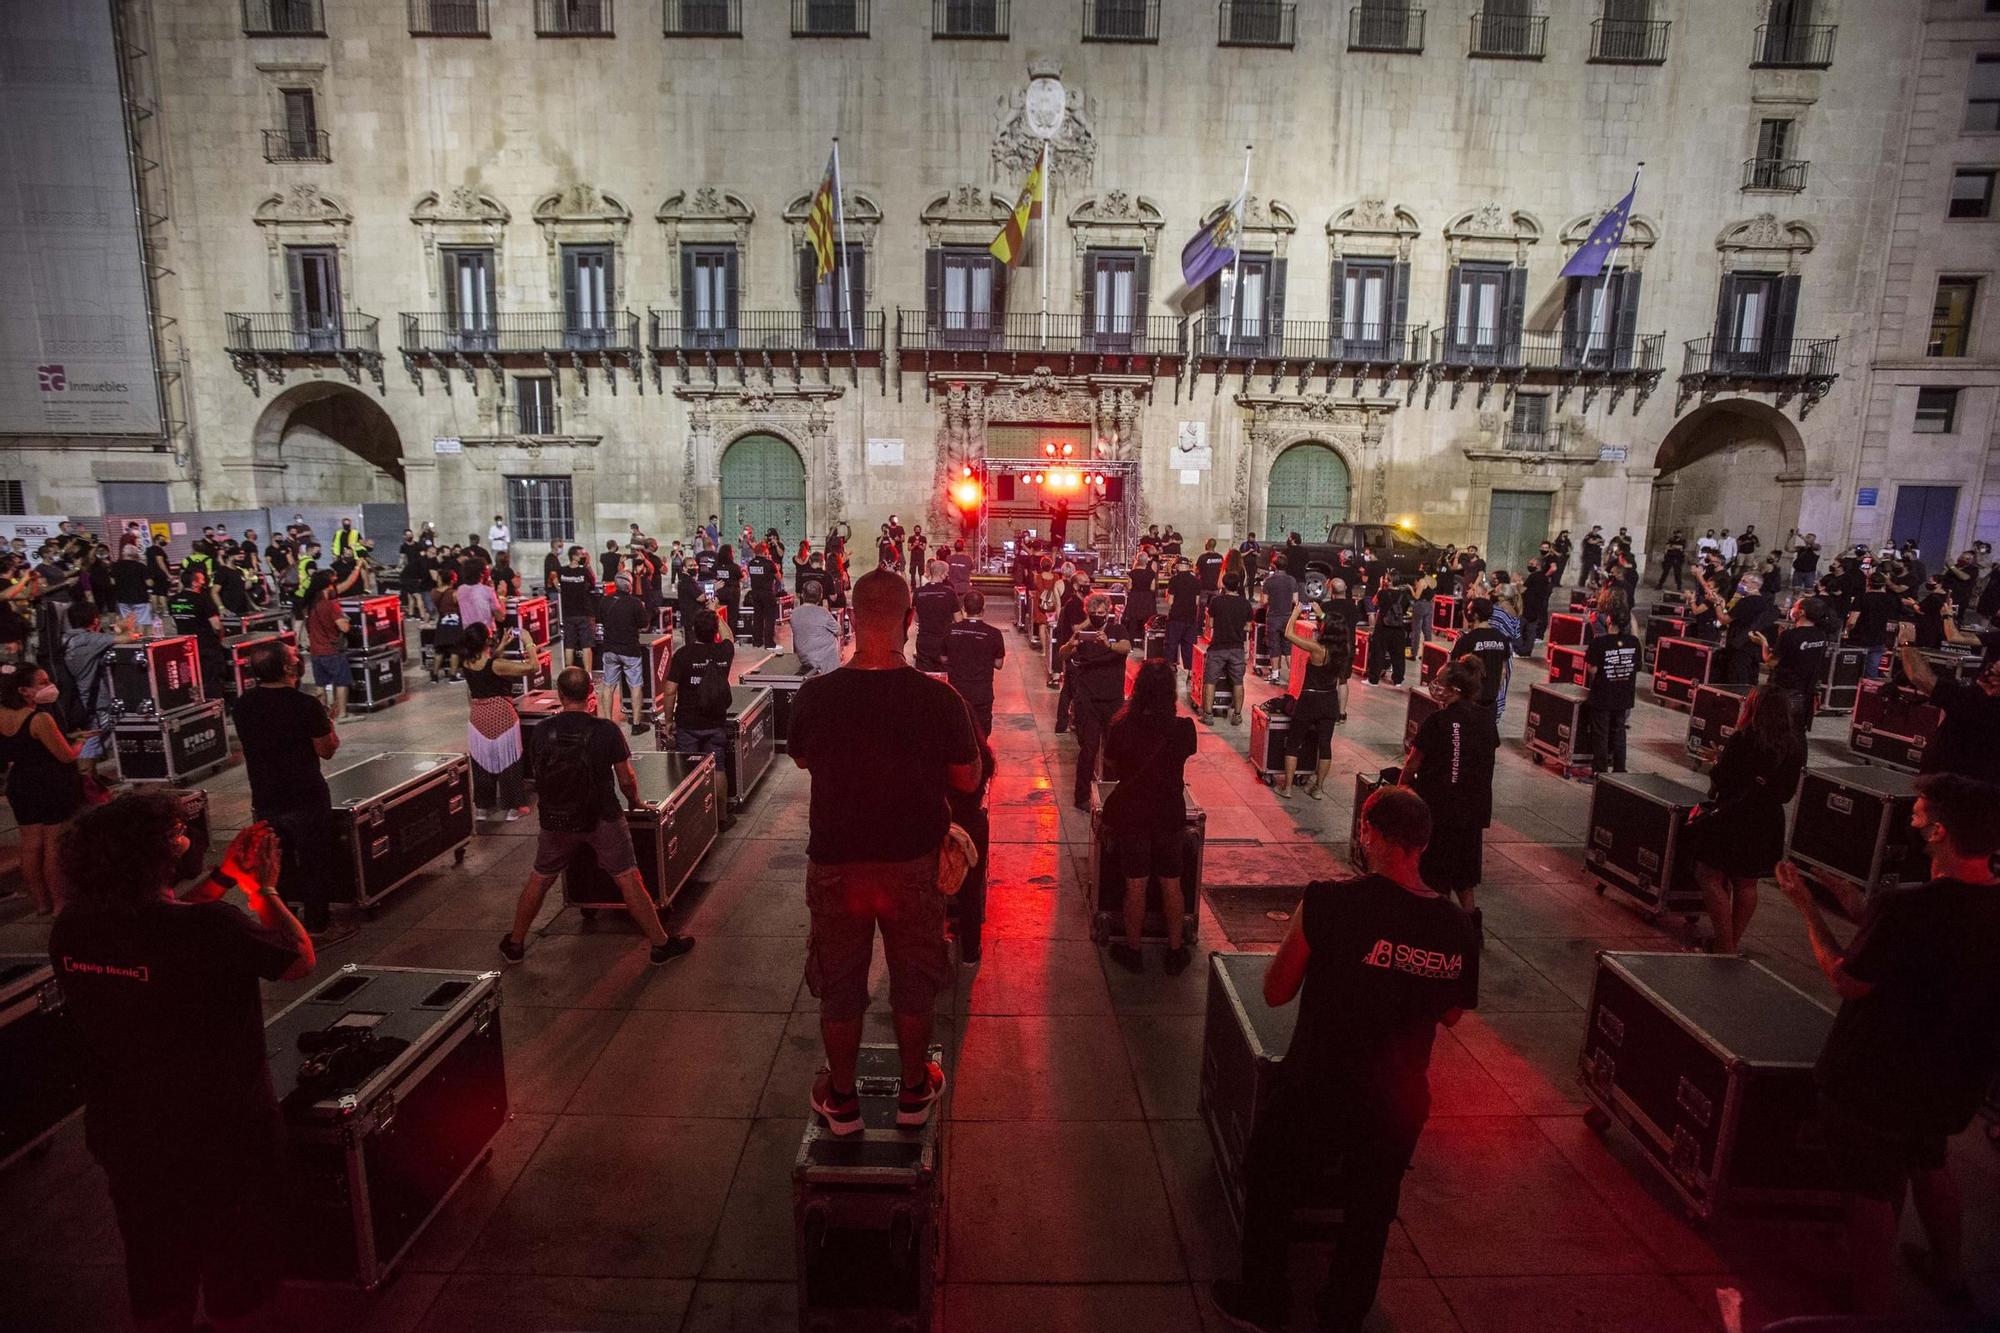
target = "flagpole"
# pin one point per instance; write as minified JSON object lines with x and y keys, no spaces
{"x":1048,"y":255}
{"x":840,"y":259}
{"x":1235,"y":286}
{"x":1610,"y":266}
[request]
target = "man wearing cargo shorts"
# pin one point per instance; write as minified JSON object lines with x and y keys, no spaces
{"x":883,"y":742}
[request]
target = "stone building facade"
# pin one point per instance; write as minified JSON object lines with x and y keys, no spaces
{"x":615,"y":205}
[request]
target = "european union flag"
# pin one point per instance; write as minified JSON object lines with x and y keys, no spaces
{"x":1594,"y":253}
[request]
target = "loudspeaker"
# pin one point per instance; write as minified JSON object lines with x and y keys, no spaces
{"x":1114,"y":488}
{"x":1003,"y":486}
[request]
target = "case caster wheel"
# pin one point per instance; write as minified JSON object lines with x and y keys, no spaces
{"x":1265,"y":779}
{"x":815,"y":1224}
{"x":1534,"y":759}
{"x":1595,"y":1118}
{"x":458,"y":857}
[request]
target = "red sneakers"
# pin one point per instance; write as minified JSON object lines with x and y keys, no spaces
{"x":913,"y":1105}
{"x":842,"y":1113}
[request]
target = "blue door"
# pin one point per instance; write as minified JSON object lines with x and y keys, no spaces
{"x":1925,"y":513}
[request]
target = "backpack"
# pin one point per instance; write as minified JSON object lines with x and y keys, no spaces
{"x":712,"y":694}
{"x":565,"y":780}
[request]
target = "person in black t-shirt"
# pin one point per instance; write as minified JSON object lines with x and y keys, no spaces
{"x":285,"y":734}
{"x":609,"y":562}
{"x":1611,"y":673}
{"x":1798,"y":659}
{"x":582,"y":764}
{"x":1479,"y":639}
{"x":936,"y":606}
{"x":169,"y":1024}
{"x":1223,"y":659}
{"x":1388,"y":638}
{"x":973,"y":651}
{"x":1450,"y":764}
{"x":1093,"y":662}
{"x":1868,"y":623}
{"x":1741,"y":616}
{"x":1968,"y":740}
{"x":697,"y":729}
{"x":1183,"y":614}
{"x":622,"y":617}
{"x":576,"y":604}
{"x":764,"y":569}
{"x":1913,"y":1048}
{"x":1208,"y":572}
{"x":882,"y":742}
{"x":1378,"y":963}
{"x":1146,"y":749}
{"x":728,"y":587}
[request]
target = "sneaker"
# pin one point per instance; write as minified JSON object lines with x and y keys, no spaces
{"x":1178,"y":959}
{"x":329,"y":935}
{"x":1241,"y":1307}
{"x":1127,"y":957}
{"x":518,"y":812}
{"x":913,"y":1106}
{"x":675,"y":946}
{"x":511,"y":951}
{"x":639,"y":729}
{"x":841,"y":1112}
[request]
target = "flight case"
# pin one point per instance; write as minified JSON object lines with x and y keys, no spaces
{"x":1678,"y":666}
{"x":1243,"y":1042}
{"x":171,"y":747}
{"x":1364,"y":787}
{"x":1435,"y":653}
{"x":240,"y":648}
{"x":1225,"y":694}
{"x":1416,"y":712}
{"x":255,"y":622}
{"x":1556,"y":734}
{"x":1636,"y":820}
{"x":395,"y":814}
{"x":868,"y":1213}
{"x":1657,"y":628}
{"x":669,"y":837}
{"x":1853,"y":824}
{"x":373,"y":1163}
{"x":1565,"y":631}
{"x":1444,"y":611}
{"x":378,"y":679}
{"x":1708,"y":1061}
{"x":1270,"y":724}
{"x":1107,"y":913}
{"x":154,"y":676}
{"x":750,"y":741}
{"x":41,"y":1052}
{"x":1567,"y":665}
{"x":1713,"y":716}
{"x":1893,"y":725}
{"x":781,"y":675}
{"x":374,"y":624}
{"x":1844,"y":669}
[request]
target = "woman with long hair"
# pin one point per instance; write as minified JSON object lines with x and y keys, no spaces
{"x":448,"y":630}
{"x":43,"y":785}
{"x":1146,"y":749}
{"x":1738,"y":835}
{"x":1450,"y":764}
{"x":493,"y":731}
{"x":1321,"y":701}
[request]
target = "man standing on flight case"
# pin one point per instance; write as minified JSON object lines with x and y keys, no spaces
{"x":1381,"y":961}
{"x":576,"y":598}
{"x":1917,"y":1039}
{"x":882,"y":743}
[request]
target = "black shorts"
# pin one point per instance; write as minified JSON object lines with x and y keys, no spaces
{"x":1873,"y":1162}
{"x":1142,"y":852}
{"x":1454,"y":860}
{"x":213,"y":1233}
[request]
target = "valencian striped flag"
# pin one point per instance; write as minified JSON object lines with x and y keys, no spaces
{"x":820,"y":223}
{"x":1008,"y":246}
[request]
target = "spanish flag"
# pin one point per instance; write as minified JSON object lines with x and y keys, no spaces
{"x":1013,"y":238}
{"x":820,"y":223}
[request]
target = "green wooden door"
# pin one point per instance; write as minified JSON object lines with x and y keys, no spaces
{"x":1518,"y":526}
{"x":1308,"y":493}
{"x":763,"y":487}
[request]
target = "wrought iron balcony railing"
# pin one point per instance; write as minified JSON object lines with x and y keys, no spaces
{"x":972,"y":20}
{"x":1028,"y":332}
{"x":283,"y":18}
{"x":525,"y":333}
{"x":1510,"y":36}
{"x":1546,"y":438}
{"x":1257,"y":23}
{"x":573,"y":18}
{"x":704,"y":18}
{"x":1308,"y":340}
{"x":1774,"y":173}
{"x":829,"y":18}
{"x":448,"y":18}
{"x":1121,"y":20}
{"x":1560,"y":350}
{"x":296,"y":146}
{"x":1761,"y":358}
{"x":1629,"y":41}
{"x":763,"y":332}
{"x":1385,"y":27}
{"x":289,"y":333}
{"x":1794,"y":45}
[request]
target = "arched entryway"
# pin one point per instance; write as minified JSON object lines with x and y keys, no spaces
{"x":1308,"y":492}
{"x":1719,"y":467}
{"x":321,"y":444}
{"x":763,"y":487}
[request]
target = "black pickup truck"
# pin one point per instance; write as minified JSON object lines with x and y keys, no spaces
{"x":1398,"y":548}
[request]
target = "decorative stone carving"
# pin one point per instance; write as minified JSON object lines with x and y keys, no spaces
{"x":1268,"y":224}
{"x":1353,"y":430}
{"x":800,"y":414}
{"x":581,"y":203}
{"x":302,"y":215}
{"x":1118,"y":217}
{"x":961,"y":442}
{"x":1491,"y":232}
{"x":706,"y":215}
{"x":965,"y":215}
{"x":1372,"y":226}
{"x":1764,"y":241}
{"x":1044,"y":112}
{"x":460,"y":216}
{"x":302,"y":203}
{"x":1040,"y":396}
{"x":1640,"y":237}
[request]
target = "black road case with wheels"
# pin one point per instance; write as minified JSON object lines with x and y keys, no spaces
{"x":1360,"y":668}
{"x":395,"y":814}
{"x":1365,"y":786}
{"x":1107,"y":913}
{"x":41,"y":1053}
{"x":751,"y":744}
{"x":1444,"y":611}
{"x":1243,"y":1042}
{"x":669,"y":837}
{"x":543,"y":677}
{"x":374,"y":624}
{"x":1431,"y":658}
{"x":868,"y":1213}
{"x":1708,"y":1061}
{"x":154,"y":676}
{"x":1678,"y":666}
{"x":1225,"y":694}
{"x":781,"y":675}
{"x":378,"y":680}
{"x":1853,"y":824}
{"x":240,"y":648}
{"x":1269,"y":726}
{"x":373,"y":1161}
{"x":1714,"y":713}
{"x":1566,"y":665}
{"x":1636,"y":820}
{"x":1657,"y":628}
{"x":1565,"y":630}
{"x":531,"y":613}
{"x":1893,"y":725}
{"x":1843,"y":679}
{"x":1416,"y":712}
{"x":171,"y":747}
{"x":1556,"y":735}
{"x":256,"y":622}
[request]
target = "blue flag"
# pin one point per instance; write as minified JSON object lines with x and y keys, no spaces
{"x":1591,"y":257}
{"x":1213,"y":248}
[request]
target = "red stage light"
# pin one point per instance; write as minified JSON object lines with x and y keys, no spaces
{"x":968,"y":493}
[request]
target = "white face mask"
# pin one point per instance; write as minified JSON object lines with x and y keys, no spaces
{"x":47,"y":694}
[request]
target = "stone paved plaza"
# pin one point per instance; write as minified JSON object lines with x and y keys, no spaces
{"x":644,"y":1181}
